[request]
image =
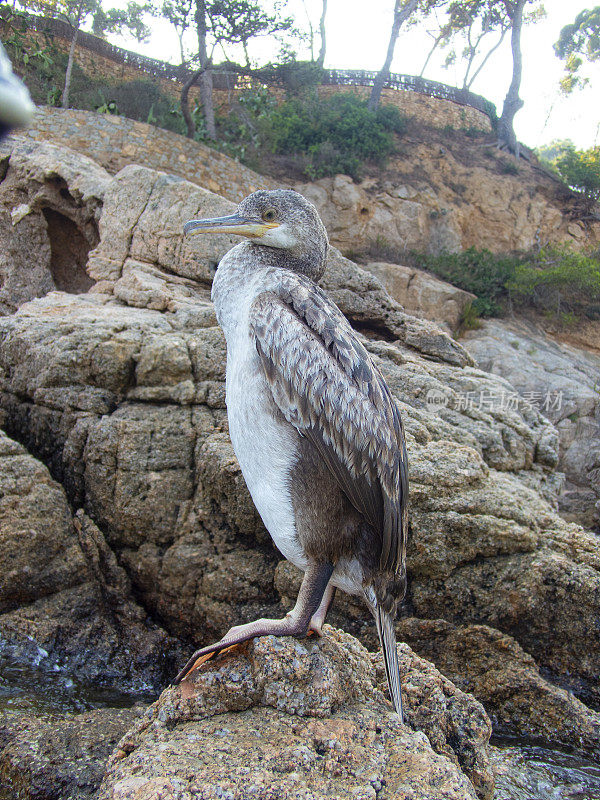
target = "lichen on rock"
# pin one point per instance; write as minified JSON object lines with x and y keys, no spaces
{"x":287,"y":718}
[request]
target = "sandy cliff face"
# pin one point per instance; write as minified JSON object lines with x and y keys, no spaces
{"x":433,"y":202}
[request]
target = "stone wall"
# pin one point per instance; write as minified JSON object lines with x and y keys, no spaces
{"x":430,"y":110}
{"x":118,"y":141}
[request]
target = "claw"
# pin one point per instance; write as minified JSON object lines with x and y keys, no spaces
{"x":202,"y":659}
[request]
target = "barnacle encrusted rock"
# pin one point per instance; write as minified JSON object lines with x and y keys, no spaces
{"x":280,"y":717}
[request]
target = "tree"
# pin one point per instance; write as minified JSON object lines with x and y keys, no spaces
{"x":441,"y":35}
{"x":580,"y":169}
{"x":578,"y":41}
{"x":477,"y":20}
{"x":403,"y":10}
{"x":321,"y":58}
{"x":178,"y":13}
{"x":220,"y":23}
{"x":236,"y":22}
{"x":512,"y":103}
{"x":310,"y":36}
{"x":77,"y":13}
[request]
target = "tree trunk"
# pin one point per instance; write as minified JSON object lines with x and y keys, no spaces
{"x":513,"y":103}
{"x":402,"y":12}
{"x":65,"y":94}
{"x":185,"y":105}
{"x":472,"y":50}
{"x":431,"y":52}
{"x":485,"y":60}
{"x":321,"y":58}
{"x":206,"y":82}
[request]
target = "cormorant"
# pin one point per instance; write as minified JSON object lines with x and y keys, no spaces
{"x":313,"y":424}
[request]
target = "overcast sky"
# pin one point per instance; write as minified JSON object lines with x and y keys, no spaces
{"x":357,"y":39}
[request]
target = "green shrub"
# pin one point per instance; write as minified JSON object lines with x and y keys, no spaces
{"x":555,"y":281}
{"x":337,"y":133}
{"x":469,"y":318}
{"x":239,"y":130}
{"x":478,"y":271}
{"x":558,"y":281}
{"x":295,"y":76}
{"x":580,"y":169}
{"x":145,"y":102}
{"x":507,"y":167}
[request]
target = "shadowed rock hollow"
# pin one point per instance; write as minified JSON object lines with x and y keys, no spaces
{"x":120,"y":391}
{"x":49,"y":209}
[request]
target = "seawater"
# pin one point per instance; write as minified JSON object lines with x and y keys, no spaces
{"x":527,"y":770}
{"x":33,"y":688}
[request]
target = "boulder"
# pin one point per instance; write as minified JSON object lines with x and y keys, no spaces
{"x":422,"y":294}
{"x":304,"y":718}
{"x":562,"y":381}
{"x":65,"y":604}
{"x":50,"y":203}
{"x":440,"y":196}
{"x":39,"y":551}
{"x":506,"y":680}
{"x":442,"y":191}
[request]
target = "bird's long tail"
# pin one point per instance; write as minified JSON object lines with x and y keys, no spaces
{"x":387,"y":637}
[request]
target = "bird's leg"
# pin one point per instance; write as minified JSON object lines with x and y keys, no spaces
{"x":295,"y":623}
{"x":318,"y":618}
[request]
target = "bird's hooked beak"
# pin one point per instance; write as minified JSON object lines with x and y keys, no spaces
{"x":234,"y":223}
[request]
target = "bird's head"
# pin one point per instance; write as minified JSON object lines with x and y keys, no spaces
{"x":282,"y":220}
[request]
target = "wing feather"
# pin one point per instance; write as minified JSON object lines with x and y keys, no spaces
{"x":312,"y":358}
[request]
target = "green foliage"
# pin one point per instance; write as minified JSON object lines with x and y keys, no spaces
{"x":559,"y":281}
{"x":296,"y":77}
{"x":24,"y":51}
{"x":470,"y":318}
{"x":578,"y":41}
{"x":581,"y":36}
{"x":580,"y":169}
{"x":556,"y":281}
{"x":239,"y":131}
{"x":107,"y":107}
{"x":140,"y":100}
{"x":337,"y":134}
{"x":507,"y":167}
{"x":478,"y":271}
{"x":549,"y":152}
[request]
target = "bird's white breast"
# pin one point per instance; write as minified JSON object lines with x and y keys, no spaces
{"x":264,"y":443}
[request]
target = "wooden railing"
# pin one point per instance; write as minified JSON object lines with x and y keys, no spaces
{"x":224,"y":79}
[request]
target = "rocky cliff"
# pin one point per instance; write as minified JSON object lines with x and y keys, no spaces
{"x":116,"y":383}
{"x":448,"y":187}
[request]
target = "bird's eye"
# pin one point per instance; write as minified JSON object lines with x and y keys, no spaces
{"x":269,"y":215}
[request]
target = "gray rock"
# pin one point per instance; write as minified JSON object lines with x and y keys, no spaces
{"x":422,"y":294}
{"x":562,"y":381}
{"x":50,"y":202}
{"x":64,"y":601}
{"x":507,"y":681}
{"x":39,"y":550}
{"x":58,"y":757}
{"x":121,"y":392}
{"x":304,"y":719}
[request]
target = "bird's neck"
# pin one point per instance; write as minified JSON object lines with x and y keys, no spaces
{"x":309,"y":259}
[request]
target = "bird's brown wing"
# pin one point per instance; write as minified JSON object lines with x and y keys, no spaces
{"x":326,"y":385}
